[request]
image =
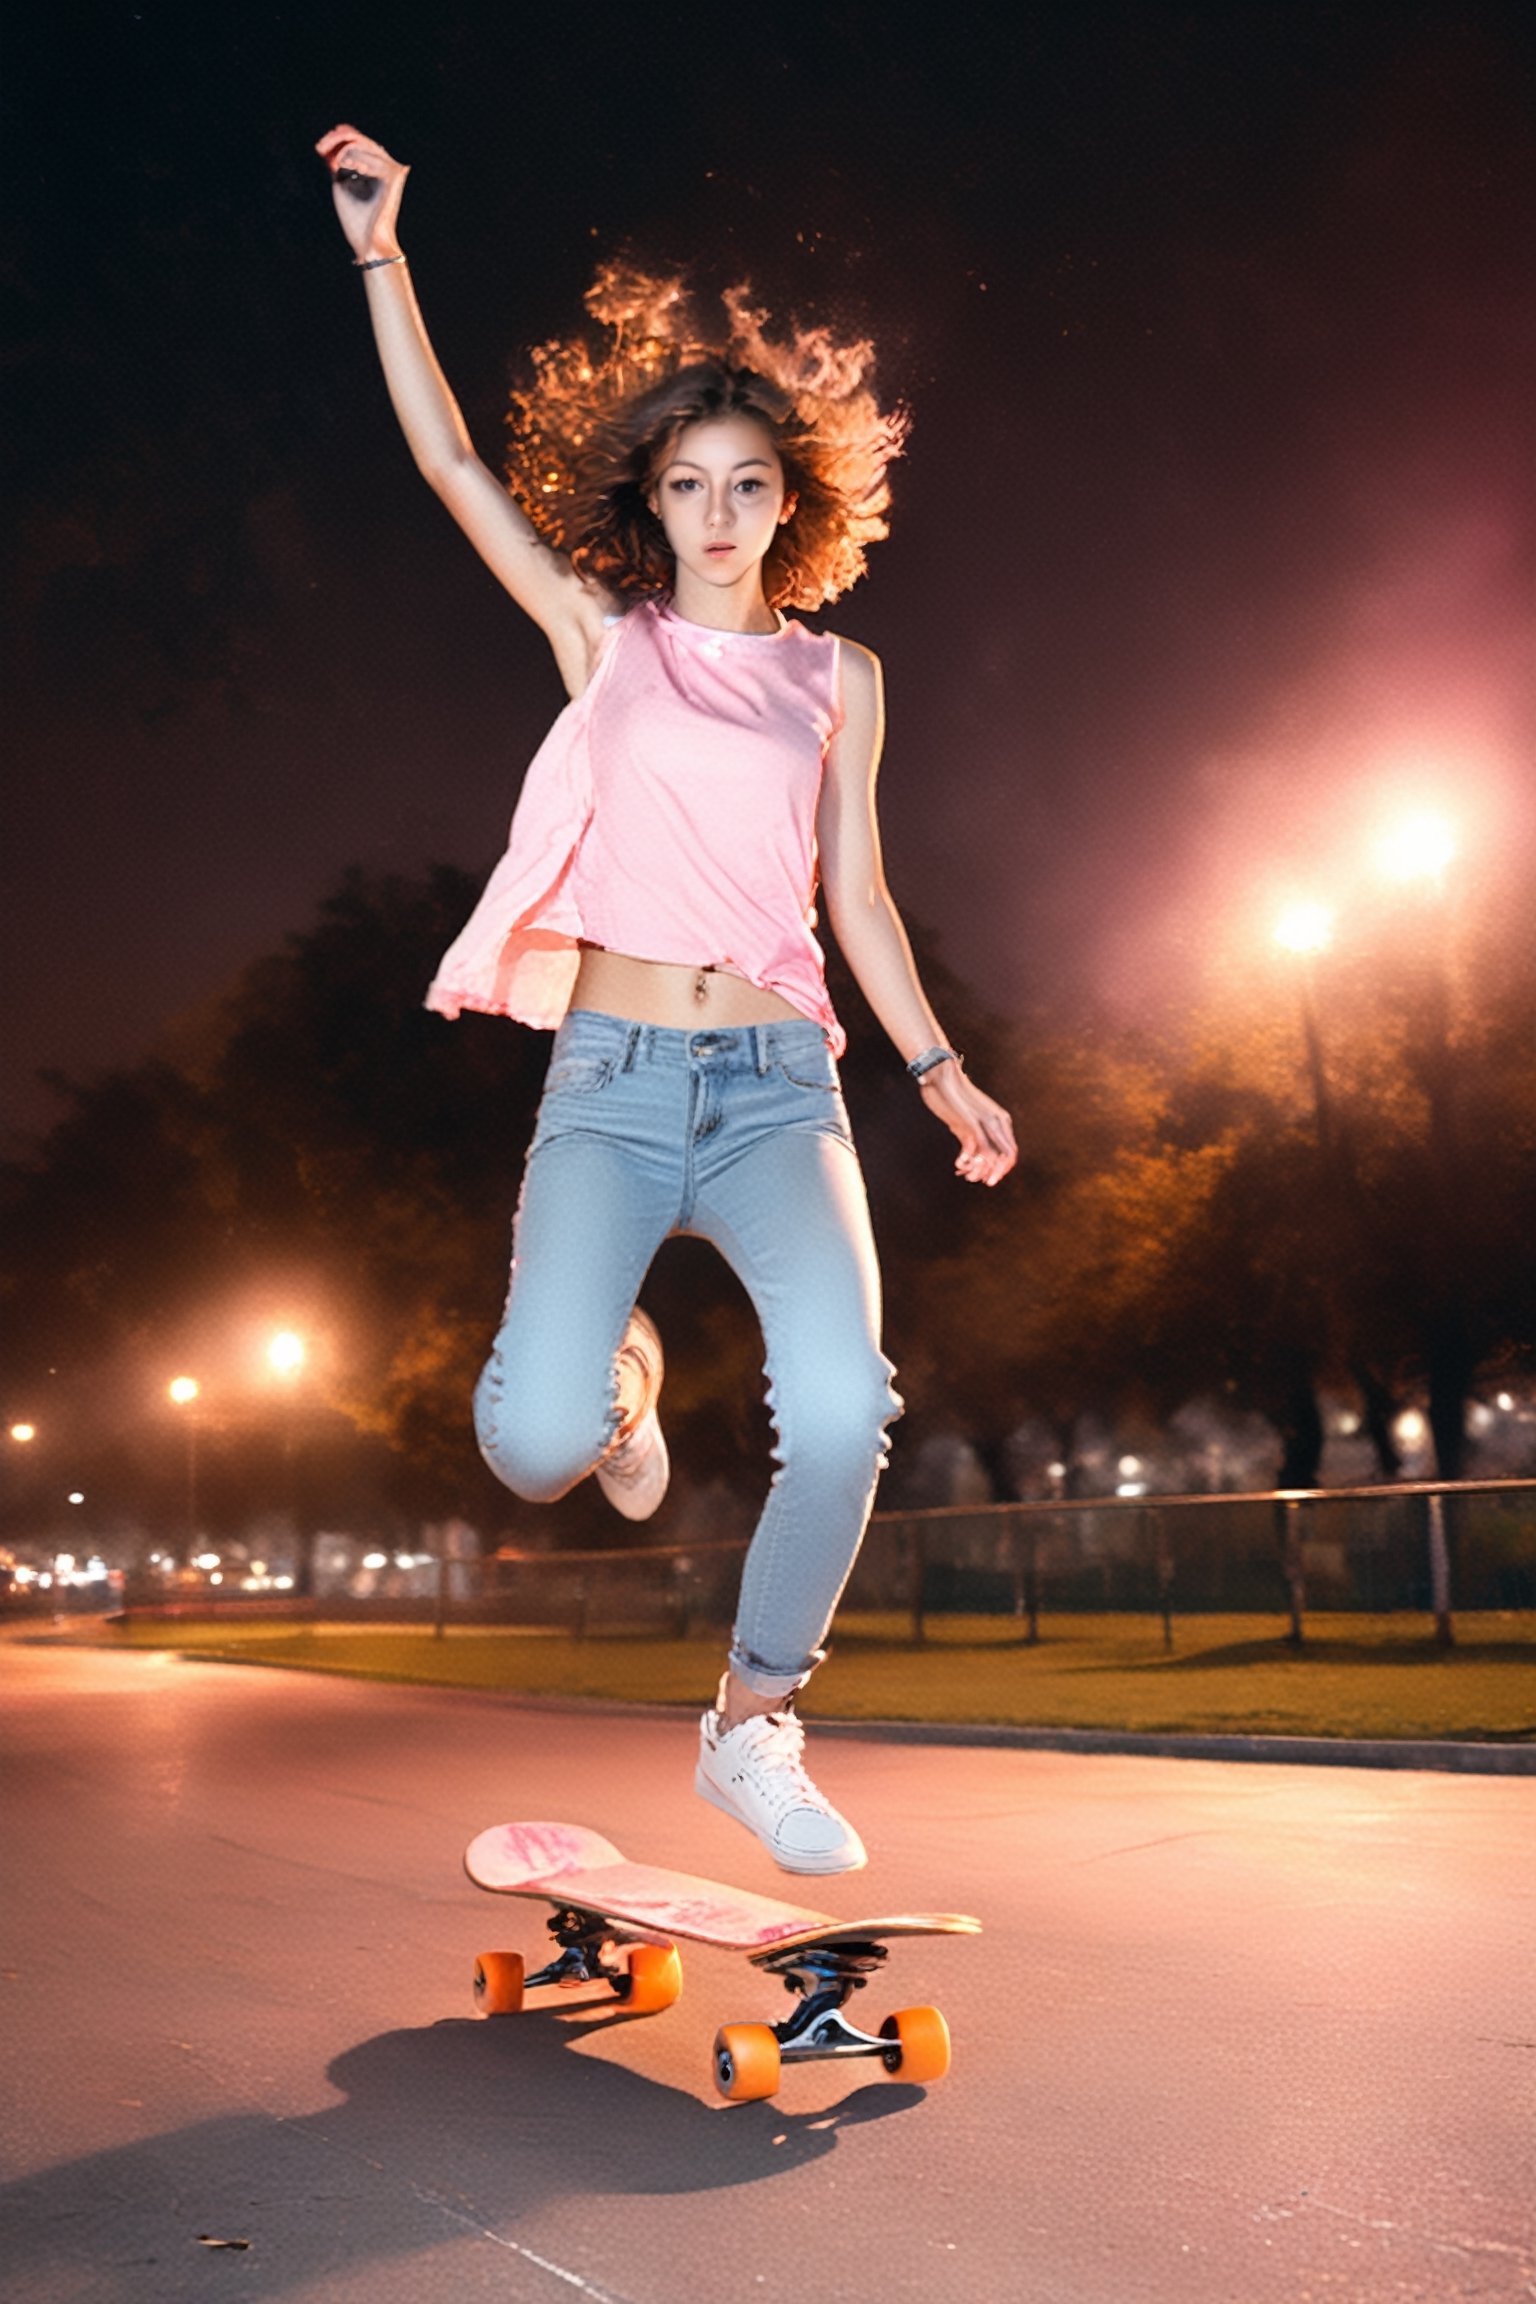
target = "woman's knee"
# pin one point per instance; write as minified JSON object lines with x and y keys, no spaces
{"x":536,"y":1443}
{"x":838,"y":1424}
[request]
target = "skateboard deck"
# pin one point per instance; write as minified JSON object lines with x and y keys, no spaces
{"x":614,"y":1923}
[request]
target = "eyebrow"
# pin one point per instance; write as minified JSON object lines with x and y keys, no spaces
{"x":745,"y":464}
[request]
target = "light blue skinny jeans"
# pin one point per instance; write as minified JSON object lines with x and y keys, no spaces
{"x":738,"y":1137}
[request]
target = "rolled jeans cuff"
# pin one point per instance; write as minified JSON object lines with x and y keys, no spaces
{"x":763,"y":1680}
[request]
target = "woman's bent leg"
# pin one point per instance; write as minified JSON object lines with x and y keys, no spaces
{"x":589,"y":1221}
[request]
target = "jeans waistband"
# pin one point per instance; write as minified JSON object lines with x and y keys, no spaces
{"x":734,"y":1048}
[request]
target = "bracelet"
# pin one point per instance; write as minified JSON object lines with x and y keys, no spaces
{"x":931,"y":1058}
{"x":374,"y":263}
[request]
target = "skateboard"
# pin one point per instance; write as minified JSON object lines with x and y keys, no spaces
{"x":613,"y":1925}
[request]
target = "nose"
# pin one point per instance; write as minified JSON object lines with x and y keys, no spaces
{"x":721,"y":511}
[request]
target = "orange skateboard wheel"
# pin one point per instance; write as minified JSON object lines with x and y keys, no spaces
{"x":919,"y":2047}
{"x":655,"y":1979}
{"x":499,"y":1983}
{"x":746,"y":2062}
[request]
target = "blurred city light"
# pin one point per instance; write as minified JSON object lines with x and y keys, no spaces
{"x":1418,"y":848}
{"x":287,"y":1352}
{"x":23,"y":1432}
{"x":1305,"y":927}
{"x":183,"y":1390}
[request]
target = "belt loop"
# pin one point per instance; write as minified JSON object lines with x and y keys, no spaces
{"x":762,"y":1037}
{"x":632,"y":1046}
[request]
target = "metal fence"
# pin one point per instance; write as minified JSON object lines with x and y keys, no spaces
{"x":1428,"y":1547}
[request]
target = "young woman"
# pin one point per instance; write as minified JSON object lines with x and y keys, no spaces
{"x":655,"y":905}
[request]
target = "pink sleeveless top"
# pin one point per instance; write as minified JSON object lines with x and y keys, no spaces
{"x":670,"y":814}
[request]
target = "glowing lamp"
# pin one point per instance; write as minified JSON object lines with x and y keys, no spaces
{"x":1419,"y":848}
{"x":1304,"y":927}
{"x":286,"y":1353}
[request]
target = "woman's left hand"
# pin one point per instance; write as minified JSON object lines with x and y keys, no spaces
{"x":985,"y":1132}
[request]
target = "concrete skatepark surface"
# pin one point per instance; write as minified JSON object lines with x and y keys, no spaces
{"x":1232,"y":2034}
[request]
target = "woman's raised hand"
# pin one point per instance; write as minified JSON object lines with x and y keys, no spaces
{"x":984,"y":1129}
{"x":366,"y":185}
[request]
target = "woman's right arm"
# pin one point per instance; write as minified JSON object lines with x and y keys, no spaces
{"x":367,"y":185}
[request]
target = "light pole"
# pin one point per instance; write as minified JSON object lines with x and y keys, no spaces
{"x":1418,"y":852}
{"x":287,"y":1353}
{"x":1306,"y":929}
{"x":183,"y":1393}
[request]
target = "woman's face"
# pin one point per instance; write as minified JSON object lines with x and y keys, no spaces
{"x":720,"y":497}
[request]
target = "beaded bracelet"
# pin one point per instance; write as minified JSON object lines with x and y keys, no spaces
{"x":931,"y":1058}
{"x":374,"y":263}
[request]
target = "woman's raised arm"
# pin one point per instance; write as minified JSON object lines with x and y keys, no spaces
{"x":367,"y":184}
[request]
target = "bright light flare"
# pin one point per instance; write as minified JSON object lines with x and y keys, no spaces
{"x":287,"y":1353}
{"x":1420,"y":847}
{"x":183,"y":1390}
{"x":23,"y":1433}
{"x":1304,"y":927}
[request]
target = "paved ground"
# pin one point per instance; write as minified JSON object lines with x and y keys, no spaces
{"x":1233,"y":2036}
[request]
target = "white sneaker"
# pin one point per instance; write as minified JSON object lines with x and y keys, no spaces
{"x":634,"y":1475}
{"x":754,"y":1773}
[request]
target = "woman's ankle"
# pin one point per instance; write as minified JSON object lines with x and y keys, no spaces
{"x":737,"y":1702}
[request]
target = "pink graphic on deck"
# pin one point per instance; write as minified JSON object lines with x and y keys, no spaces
{"x":522,"y":1853}
{"x":565,"y":1860}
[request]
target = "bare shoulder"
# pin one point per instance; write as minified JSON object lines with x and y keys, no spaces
{"x":862,"y":698}
{"x":860,"y":671}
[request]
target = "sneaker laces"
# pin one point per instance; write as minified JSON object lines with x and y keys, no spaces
{"x":778,"y":1739}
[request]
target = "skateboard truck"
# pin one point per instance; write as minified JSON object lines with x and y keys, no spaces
{"x":582,"y":1938}
{"x":825,"y":1978}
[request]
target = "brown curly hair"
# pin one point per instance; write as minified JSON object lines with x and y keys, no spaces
{"x":592,"y":430}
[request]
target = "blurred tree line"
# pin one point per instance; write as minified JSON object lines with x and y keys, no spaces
{"x":1297,"y":1196}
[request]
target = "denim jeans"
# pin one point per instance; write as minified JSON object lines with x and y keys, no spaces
{"x":738,"y":1137}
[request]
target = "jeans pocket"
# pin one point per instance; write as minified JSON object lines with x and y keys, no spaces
{"x":808,"y":1068}
{"x":575,"y":1075}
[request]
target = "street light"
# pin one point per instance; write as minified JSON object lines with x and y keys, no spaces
{"x":22,"y":1433}
{"x":1420,"y":847}
{"x":183,"y":1392}
{"x":286,"y":1353}
{"x":1304,"y":927}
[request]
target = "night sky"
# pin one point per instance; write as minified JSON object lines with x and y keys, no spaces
{"x":1215,"y":537}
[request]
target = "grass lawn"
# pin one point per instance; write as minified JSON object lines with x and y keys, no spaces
{"x":1357,"y":1676}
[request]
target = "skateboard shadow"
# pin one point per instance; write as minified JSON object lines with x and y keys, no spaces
{"x":447,"y":2132}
